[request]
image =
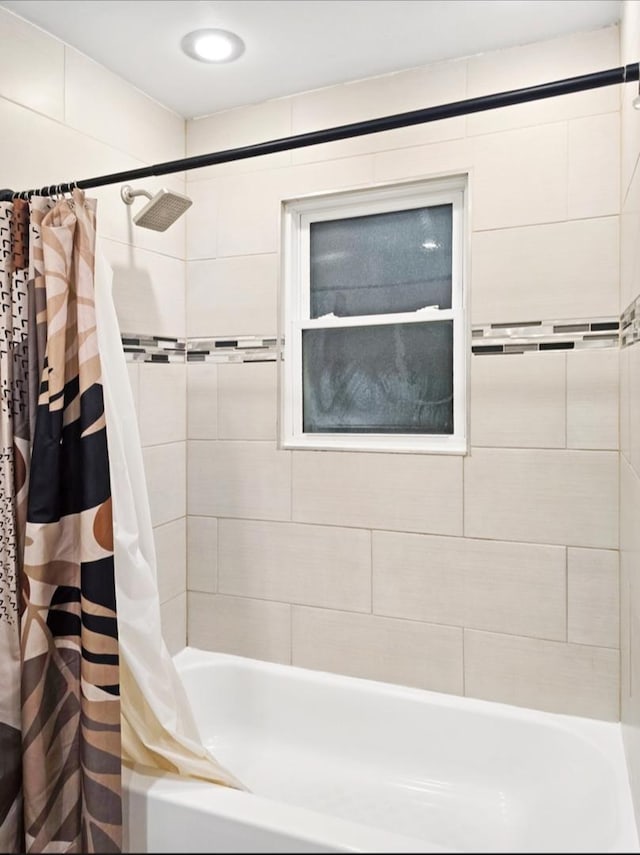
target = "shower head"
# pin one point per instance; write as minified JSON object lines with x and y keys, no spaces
{"x":161,"y":211}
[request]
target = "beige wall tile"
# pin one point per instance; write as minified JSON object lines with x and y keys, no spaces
{"x":239,"y":479}
{"x":394,"y":491}
{"x":96,"y":101}
{"x":31,"y":67}
{"x":541,"y":62}
{"x":627,"y":711}
{"x":254,"y":628}
{"x":556,"y":271}
{"x":252,"y":202}
{"x":520,"y":177}
{"x":593,"y":610}
{"x":202,"y":400}
{"x":133,"y":369}
{"x":439,"y":83}
{"x":202,"y":219}
{"x":629,"y":528}
{"x":630,"y":620}
{"x":308,"y":564}
{"x":163,"y":403}
{"x":248,"y":400}
{"x":70,"y":152}
{"x":171,"y":555}
{"x":633,"y":719}
{"x":66,"y":153}
{"x":326,"y":176}
{"x":173,"y":615}
{"x":165,"y":470}
{"x":202,"y":554}
{"x":242,"y":126}
{"x":625,"y":403}
{"x":629,"y":244}
{"x":564,"y":678}
{"x":592,"y":398}
{"x":504,"y":587}
{"x":233,"y":296}
{"x":453,"y":157}
{"x":629,"y":39}
{"x":594,"y":166}
{"x":634,"y":407}
{"x":519,"y":400}
{"x":249,"y":214}
{"x":376,"y":648}
{"x":630,"y":133}
{"x":148,"y":290}
{"x":543,"y":496}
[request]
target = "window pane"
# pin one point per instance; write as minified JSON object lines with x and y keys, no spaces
{"x":392,"y":378}
{"x":394,"y":262}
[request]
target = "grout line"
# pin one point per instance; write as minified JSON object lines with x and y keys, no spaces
{"x":430,"y":534}
{"x":217,"y":568}
{"x":557,"y":222}
{"x":566,"y":400}
{"x":566,"y":593}
{"x":371,"y":567}
{"x":567,"y":165}
{"x":464,"y":466}
{"x":464,"y":675}
{"x":290,"y":483}
{"x":400,"y":619}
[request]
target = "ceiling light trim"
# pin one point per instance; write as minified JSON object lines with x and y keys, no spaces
{"x":213,"y":45}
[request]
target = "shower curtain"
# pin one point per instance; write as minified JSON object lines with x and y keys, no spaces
{"x":60,"y":767}
{"x":158,"y":728}
{"x":75,"y":542}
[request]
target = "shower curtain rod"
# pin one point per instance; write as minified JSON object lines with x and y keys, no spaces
{"x":609,"y":77}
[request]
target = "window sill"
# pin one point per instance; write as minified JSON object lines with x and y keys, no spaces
{"x":399,"y":444}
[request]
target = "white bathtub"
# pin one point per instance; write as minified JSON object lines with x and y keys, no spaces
{"x":336,"y":764}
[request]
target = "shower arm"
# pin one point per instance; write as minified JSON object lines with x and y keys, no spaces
{"x":609,"y":77}
{"x":128,"y":195}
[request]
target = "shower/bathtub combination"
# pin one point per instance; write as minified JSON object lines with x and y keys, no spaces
{"x":396,"y":620}
{"x":338,"y":764}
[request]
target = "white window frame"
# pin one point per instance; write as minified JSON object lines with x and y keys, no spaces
{"x":297,"y":215}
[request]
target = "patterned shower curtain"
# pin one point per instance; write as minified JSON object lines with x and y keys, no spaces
{"x":59,"y":706}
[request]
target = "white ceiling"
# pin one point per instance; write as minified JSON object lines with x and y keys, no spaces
{"x":295,"y":45}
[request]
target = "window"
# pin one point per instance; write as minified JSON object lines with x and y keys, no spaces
{"x":374,"y":324}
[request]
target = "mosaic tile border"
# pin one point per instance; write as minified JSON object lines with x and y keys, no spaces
{"x":501,"y":338}
{"x":630,"y":324}
{"x":241,"y":349}
{"x":526,"y":336}
{"x":151,"y":348}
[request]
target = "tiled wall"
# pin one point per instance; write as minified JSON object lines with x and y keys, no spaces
{"x":496,"y":574}
{"x":630,"y":411}
{"x":64,"y":118}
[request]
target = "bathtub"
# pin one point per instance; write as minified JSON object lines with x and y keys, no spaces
{"x":337,"y":764}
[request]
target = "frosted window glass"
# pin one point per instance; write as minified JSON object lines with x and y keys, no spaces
{"x":392,"y":378}
{"x":394,"y":262}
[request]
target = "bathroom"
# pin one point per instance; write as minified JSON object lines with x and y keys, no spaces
{"x":490,"y":564}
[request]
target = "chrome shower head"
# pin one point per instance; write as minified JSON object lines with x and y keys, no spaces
{"x":161,"y":211}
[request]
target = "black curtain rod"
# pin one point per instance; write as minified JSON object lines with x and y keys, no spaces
{"x":610,"y":77}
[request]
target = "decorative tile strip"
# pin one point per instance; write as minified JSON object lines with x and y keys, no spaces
{"x":499,"y":338}
{"x":242,"y":349}
{"x":526,"y":336}
{"x":630,"y":324}
{"x":148,"y":348}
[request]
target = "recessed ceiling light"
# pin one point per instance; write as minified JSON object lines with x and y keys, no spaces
{"x":213,"y":45}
